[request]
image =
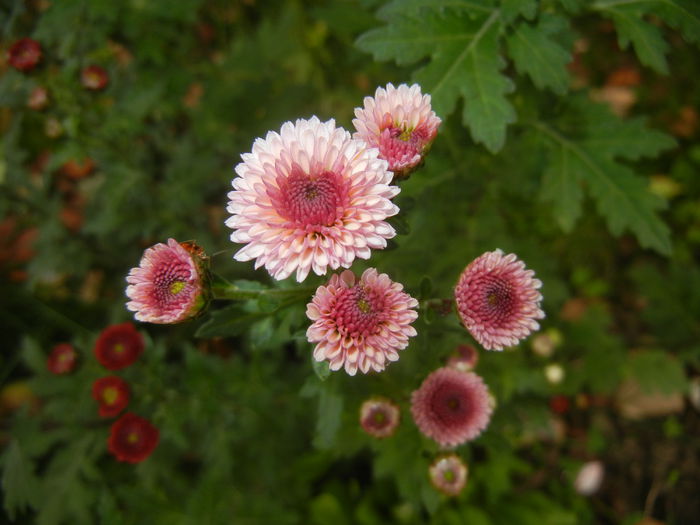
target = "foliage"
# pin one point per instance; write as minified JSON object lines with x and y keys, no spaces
{"x":536,"y":155}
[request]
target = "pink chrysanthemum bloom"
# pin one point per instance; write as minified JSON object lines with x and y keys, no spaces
{"x":362,"y":324}
{"x":379,"y":417}
{"x":400,"y":122}
{"x":451,"y":407}
{"x":310,"y":197}
{"x":170,"y":285}
{"x":498,"y":300}
{"x":448,"y":474}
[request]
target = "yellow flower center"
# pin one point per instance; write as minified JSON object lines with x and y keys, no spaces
{"x":118,"y":348}
{"x":363,"y":305}
{"x":133,"y":437}
{"x":177,"y":287}
{"x":110,"y":395}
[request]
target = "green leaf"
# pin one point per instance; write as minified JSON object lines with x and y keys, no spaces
{"x":539,"y":56}
{"x":646,"y":38}
{"x":465,"y":63}
{"x":621,"y":196}
{"x":330,"y":409}
{"x":18,"y":481}
{"x":561,"y":185}
{"x":657,"y":371}
{"x":511,"y":9}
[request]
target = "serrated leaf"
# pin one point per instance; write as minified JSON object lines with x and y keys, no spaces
{"x":561,"y":185}
{"x":646,"y":38}
{"x":414,"y":6}
{"x":540,"y":57}
{"x":511,"y":9}
{"x":18,"y":481}
{"x":621,"y":196}
{"x":625,"y":201}
{"x":465,"y":63}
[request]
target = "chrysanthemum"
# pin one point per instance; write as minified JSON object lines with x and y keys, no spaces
{"x":400,"y":122}
{"x":498,"y":300}
{"x":94,"y":78}
{"x":118,"y":346}
{"x":451,"y":407}
{"x":308,"y":198}
{"x":24,"y":54}
{"x":360,"y":324}
{"x":379,"y":417}
{"x":170,"y":285}
{"x":112,"y":393}
{"x":464,"y":358}
{"x":62,"y":359}
{"x":132,"y":438}
{"x":448,"y":474}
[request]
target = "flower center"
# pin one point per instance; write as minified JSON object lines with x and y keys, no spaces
{"x":379,"y":418}
{"x":311,"y":200}
{"x":449,"y":476}
{"x":132,"y":437}
{"x":119,"y":348}
{"x":499,"y":299}
{"x":110,"y":395}
{"x":453,"y":403}
{"x":358,"y":311}
{"x":176,"y":287}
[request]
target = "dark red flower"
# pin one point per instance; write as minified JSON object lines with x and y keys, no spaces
{"x":24,"y":54}
{"x":559,"y":404}
{"x":132,"y":438}
{"x":62,"y":359}
{"x":94,"y":78}
{"x":112,"y":393}
{"x":118,"y":346}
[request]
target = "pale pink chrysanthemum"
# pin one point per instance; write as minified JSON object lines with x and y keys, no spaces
{"x":451,"y":407}
{"x":360,"y":324}
{"x":498,"y":300}
{"x":379,"y":417}
{"x":310,"y":197}
{"x":170,"y":285}
{"x":400,"y":122}
{"x":448,"y":474}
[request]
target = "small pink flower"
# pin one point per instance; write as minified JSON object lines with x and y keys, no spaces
{"x":448,"y":474}
{"x":170,"y":284}
{"x":310,"y":198}
{"x":360,"y":325}
{"x":464,"y":358}
{"x":400,"y":122}
{"x":379,"y":417}
{"x":451,"y":407}
{"x":498,"y":300}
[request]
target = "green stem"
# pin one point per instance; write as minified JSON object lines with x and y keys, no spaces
{"x":233,"y":292}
